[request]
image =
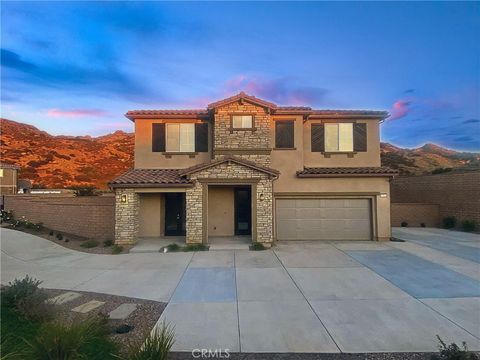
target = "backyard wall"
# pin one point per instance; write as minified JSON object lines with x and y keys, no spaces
{"x":456,"y":194}
{"x":415,"y":214}
{"x":86,"y":216}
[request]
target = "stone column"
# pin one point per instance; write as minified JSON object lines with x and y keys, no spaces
{"x":264,"y":209}
{"x":127,"y":207}
{"x":194,"y":213}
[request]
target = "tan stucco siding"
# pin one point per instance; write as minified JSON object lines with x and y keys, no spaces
{"x":8,"y":182}
{"x":221,"y":211}
{"x":145,"y":158}
{"x":151,"y":215}
{"x":378,"y":189}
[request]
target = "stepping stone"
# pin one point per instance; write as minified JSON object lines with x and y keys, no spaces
{"x":64,"y":298}
{"x":88,"y":306}
{"x":122,"y":312}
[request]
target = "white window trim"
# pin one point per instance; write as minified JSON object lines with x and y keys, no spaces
{"x":243,"y":120}
{"x":183,"y":145}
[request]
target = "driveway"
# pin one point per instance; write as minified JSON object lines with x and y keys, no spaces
{"x":299,"y":297}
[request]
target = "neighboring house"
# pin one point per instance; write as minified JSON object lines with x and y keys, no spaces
{"x":8,"y":179}
{"x":245,"y":166}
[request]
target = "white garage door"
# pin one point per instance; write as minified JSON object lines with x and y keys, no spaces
{"x":323,"y":219}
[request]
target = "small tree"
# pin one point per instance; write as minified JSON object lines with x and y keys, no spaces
{"x":86,"y":190}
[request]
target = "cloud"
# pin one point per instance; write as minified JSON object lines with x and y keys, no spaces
{"x":409,"y":91}
{"x":12,"y":60}
{"x":400,"y":109}
{"x":471,"y":121}
{"x":283,"y":91}
{"x":464,"y":139}
{"x":76,"y":113}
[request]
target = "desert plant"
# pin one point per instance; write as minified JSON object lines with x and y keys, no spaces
{"x":117,"y":249}
{"x":69,"y":341}
{"x":453,"y":352}
{"x":173,"y":247}
{"x":38,"y":226}
{"x":449,"y":222}
{"x":51,"y":233}
{"x":6,"y":216}
{"x":89,"y":244}
{"x":468,"y":225}
{"x":195,"y":247}
{"x":256,"y":246}
{"x":404,"y":224}
{"x":84,"y":190}
{"x":25,"y":297}
{"x":59,"y":236}
{"x":156,"y":345}
{"x":107,"y":243}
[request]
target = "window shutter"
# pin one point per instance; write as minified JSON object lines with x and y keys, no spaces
{"x":360,"y":137}
{"x":284,"y":134}
{"x":318,"y":138}
{"x":201,"y":137}
{"x":158,"y":137}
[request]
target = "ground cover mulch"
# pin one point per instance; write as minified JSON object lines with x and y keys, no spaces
{"x":143,"y":319}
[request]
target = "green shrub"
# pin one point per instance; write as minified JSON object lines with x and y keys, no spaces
{"x":117,"y":249}
{"x":89,"y":244}
{"x":156,"y":345}
{"x":423,"y":225}
{"x":6,"y":216}
{"x":404,"y":224}
{"x":468,"y":225}
{"x":256,"y":246}
{"x":107,"y":243}
{"x":87,"y":339}
{"x":195,"y":247}
{"x":26,"y":298}
{"x":453,"y":352}
{"x":29,"y":225}
{"x":38,"y":226}
{"x":51,"y":233}
{"x":85,"y":190}
{"x":59,"y":236}
{"x":173,"y":247}
{"x":449,"y":222}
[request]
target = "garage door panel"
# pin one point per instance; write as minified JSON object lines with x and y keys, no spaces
{"x":323,"y":219}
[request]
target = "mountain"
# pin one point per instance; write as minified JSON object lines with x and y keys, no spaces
{"x":63,"y":161}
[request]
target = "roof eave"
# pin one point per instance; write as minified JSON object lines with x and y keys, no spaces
{"x":343,"y":175}
{"x":149,"y":185}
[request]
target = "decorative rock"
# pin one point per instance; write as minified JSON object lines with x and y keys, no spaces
{"x":64,"y":298}
{"x":122,"y":312}
{"x":88,"y":306}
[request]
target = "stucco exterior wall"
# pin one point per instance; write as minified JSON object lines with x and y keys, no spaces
{"x":416,"y":214}
{"x":152,"y":215}
{"x":221,"y":211}
{"x":8,"y":182}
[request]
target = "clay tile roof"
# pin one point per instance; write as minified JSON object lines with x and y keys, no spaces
{"x":294,"y":108}
{"x":227,"y":158}
{"x":243,"y":96}
{"x":366,"y":113}
{"x":346,"y":171}
{"x":9,"y":166}
{"x":132,"y":114}
{"x":150,"y":178}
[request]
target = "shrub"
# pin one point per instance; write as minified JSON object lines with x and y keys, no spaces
{"x":441,"y":170}
{"x":6,"y":216}
{"x":423,"y":225}
{"x":449,"y":222}
{"x":256,"y":246}
{"x":38,"y":226}
{"x":453,"y":352}
{"x":29,"y":225}
{"x":51,"y":233}
{"x":173,"y":247}
{"x":77,"y":340}
{"x":404,"y":224}
{"x":59,"y":236}
{"x":84,"y":190}
{"x":195,"y":247}
{"x":156,"y":345}
{"x":107,"y":243}
{"x":89,"y":244}
{"x":468,"y":225}
{"x":27,"y":299}
{"x":117,"y":249}
{"x":67,"y":240}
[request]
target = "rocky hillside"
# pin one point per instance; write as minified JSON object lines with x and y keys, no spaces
{"x":63,"y":161}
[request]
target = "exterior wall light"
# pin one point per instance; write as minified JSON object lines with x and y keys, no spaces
{"x":383,"y":195}
{"x":123,"y":199}
{"x":261,"y":197}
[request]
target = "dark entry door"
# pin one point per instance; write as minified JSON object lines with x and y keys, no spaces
{"x":243,"y":211}
{"x":175,"y":214}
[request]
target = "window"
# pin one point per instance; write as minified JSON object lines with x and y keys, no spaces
{"x":180,"y":138}
{"x":284,"y":134}
{"x":339,"y":137}
{"x":242,"y":121}
{"x":1,"y":172}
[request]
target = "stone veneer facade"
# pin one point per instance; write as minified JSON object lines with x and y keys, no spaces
{"x":126,"y":216}
{"x":196,"y":218}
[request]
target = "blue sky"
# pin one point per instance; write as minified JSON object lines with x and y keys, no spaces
{"x":76,"y":67}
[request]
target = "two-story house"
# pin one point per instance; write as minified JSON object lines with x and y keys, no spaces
{"x":245,"y":166}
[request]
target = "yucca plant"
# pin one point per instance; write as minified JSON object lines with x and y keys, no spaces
{"x":156,"y":346}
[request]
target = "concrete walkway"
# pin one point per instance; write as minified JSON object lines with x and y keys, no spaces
{"x":299,"y":297}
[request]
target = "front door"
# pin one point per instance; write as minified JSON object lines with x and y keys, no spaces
{"x":243,"y":211}
{"x":175,"y":214}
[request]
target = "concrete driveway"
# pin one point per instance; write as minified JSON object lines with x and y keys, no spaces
{"x":299,"y":297}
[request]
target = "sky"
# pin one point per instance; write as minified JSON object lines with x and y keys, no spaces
{"x":75,"y":68}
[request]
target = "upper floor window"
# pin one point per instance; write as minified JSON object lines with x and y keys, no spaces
{"x":242,"y":121}
{"x":284,"y":134}
{"x":339,"y":137}
{"x":180,"y":138}
{"x":1,"y":172}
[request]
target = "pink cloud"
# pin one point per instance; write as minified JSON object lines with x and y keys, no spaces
{"x":400,"y":109}
{"x":75,"y":112}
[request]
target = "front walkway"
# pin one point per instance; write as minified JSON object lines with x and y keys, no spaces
{"x":299,"y":297}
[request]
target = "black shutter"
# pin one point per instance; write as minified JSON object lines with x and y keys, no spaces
{"x":318,"y":138}
{"x":201,"y":137}
{"x":360,"y":137}
{"x":284,"y":134}
{"x":158,"y":137}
